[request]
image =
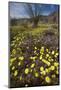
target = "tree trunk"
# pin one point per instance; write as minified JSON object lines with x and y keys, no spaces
{"x":35,"y":22}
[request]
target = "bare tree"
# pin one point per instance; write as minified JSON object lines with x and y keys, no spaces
{"x":34,"y":12}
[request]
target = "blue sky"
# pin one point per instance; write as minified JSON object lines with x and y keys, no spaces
{"x":17,"y":10}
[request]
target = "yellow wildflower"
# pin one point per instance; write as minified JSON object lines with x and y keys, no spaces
{"x":10,"y":64}
{"x":49,"y":59}
{"x":47,"y":79}
{"x":13,"y":67}
{"x":20,"y":77}
{"x":47,"y":50}
{"x":36,"y":74}
{"x":41,"y":50}
{"x":46,"y":62}
{"x":53,"y":52}
{"x":46,"y":70}
{"x":35,"y":47}
{"x":19,"y":63}
{"x":17,"y":39}
{"x":40,"y":57}
{"x":47,"y":55}
{"x":35,"y":51}
{"x":34,"y":58}
{"x":41,"y":68}
{"x":43,"y":73}
{"x":32,"y":66}
{"x":12,"y":44}
{"x":31,"y":70}
{"x":52,"y":60}
{"x":21,"y":58}
{"x":52,"y":67}
{"x":31,"y":57}
{"x":57,"y":72}
{"x":56,"y":64}
{"x":56,"y":54}
{"x":15,"y":73}
{"x":12,"y":60}
{"x":14,"y":51}
{"x":26,"y":71}
{"x":53,"y":76}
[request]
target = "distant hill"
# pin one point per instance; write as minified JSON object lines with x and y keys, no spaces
{"x":52,"y":18}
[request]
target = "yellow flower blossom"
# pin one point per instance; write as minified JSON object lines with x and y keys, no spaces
{"x":12,"y":60}
{"x":47,"y":55}
{"x":47,"y":50}
{"x":53,"y":52}
{"x":15,"y":73}
{"x":32,"y":66}
{"x":57,"y":72}
{"x":53,"y":76}
{"x":56,"y":64}
{"x":40,"y":57}
{"x":36,"y":74}
{"x":14,"y":51}
{"x":43,"y":73}
{"x":49,"y":59}
{"x":56,"y":54}
{"x":10,"y":64}
{"x":35,"y":47}
{"x":33,"y":58}
{"x":17,"y":39}
{"x":47,"y":70}
{"x":12,"y":44}
{"x":13,"y":67}
{"x":34,"y":51}
{"x":47,"y":79}
{"x":20,"y":77}
{"x":41,"y":50}
{"x":19,"y":63}
{"x":46,"y":62}
{"x":21,"y":58}
{"x":52,"y":67}
{"x":41,"y":68}
{"x":52,"y":60}
{"x":26,"y":71}
{"x":31,"y":70}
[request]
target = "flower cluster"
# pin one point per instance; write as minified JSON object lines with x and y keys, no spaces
{"x":31,"y":64}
